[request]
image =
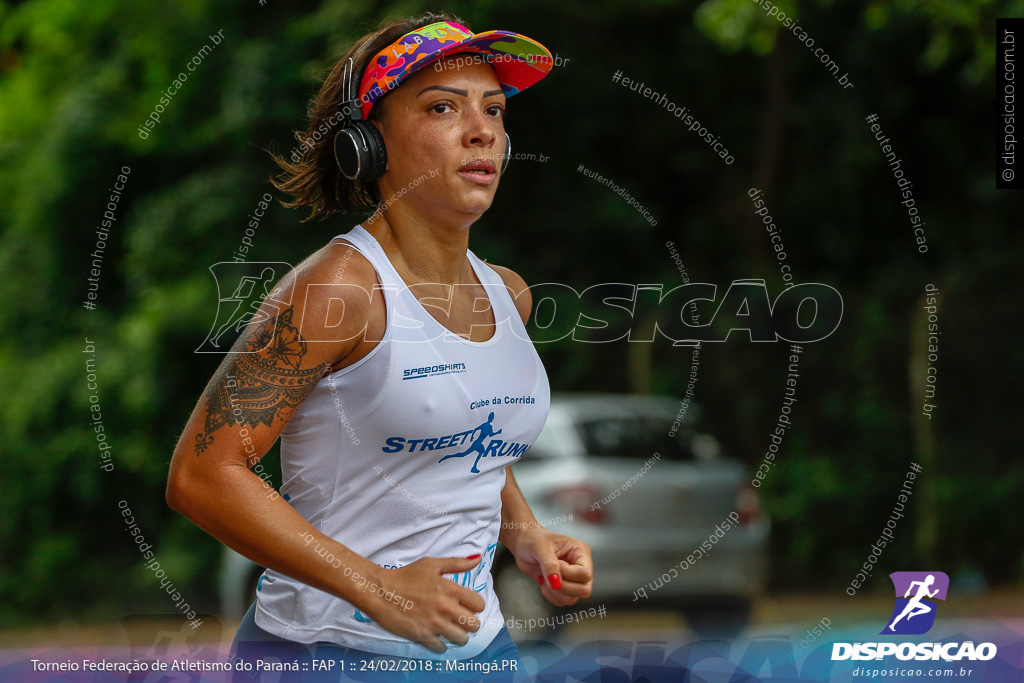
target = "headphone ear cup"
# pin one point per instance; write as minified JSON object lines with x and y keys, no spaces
{"x":377,"y":155}
{"x":359,"y":151}
{"x":507,"y":155}
{"x":348,"y":152}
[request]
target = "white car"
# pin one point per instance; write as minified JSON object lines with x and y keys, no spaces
{"x":646,"y":491}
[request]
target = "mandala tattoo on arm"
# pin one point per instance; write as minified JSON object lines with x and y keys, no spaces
{"x":262,"y":379}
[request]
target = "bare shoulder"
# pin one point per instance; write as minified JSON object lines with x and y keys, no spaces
{"x":518,"y":288}
{"x":340,"y":262}
{"x":336,"y":271}
{"x":274,"y":363}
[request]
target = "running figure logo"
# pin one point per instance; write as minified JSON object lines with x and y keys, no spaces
{"x":913,"y":615}
{"x":478,"y":443}
{"x":246,"y":293}
{"x":250,"y":285}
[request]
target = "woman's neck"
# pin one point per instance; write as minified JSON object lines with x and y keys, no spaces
{"x":420,"y":249}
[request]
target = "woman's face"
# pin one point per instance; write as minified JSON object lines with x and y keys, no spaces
{"x":445,"y":122}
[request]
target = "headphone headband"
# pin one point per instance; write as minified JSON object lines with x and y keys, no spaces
{"x":351,"y":111}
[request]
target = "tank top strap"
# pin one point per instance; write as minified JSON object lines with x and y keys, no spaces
{"x":499,"y":293}
{"x":366,"y":245}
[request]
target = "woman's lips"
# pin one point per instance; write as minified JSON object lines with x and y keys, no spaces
{"x":479,"y":177}
{"x":480,"y":171}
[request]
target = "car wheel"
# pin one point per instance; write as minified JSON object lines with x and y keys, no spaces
{"x":521,"y":602}
{"x":726,"y":619}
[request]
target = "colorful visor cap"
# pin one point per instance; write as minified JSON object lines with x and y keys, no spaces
{"x":518,"y":61}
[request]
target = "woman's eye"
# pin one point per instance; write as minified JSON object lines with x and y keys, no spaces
{"x":497,"y":110}
{"x":440,"y":107}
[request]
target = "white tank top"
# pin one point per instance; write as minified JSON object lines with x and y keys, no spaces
{"x":402,"y":455}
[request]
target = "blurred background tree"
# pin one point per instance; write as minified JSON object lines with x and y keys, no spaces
{"x":78,"y":79}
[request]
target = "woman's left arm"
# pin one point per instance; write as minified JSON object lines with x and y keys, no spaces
{"x":560,"y":564}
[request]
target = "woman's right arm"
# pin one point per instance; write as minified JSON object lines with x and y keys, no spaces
{"x":274,"y":365}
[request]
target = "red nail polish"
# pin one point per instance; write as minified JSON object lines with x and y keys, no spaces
{"x":555,"y":580}
{"x":474,"y":557}
{"x":540,"y":579}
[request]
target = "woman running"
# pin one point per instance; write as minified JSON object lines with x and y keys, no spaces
{"x":380,"y":361}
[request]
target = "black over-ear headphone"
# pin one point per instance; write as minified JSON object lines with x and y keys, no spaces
{"x":358,"y":146}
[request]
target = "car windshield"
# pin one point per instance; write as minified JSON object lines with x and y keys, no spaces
{"x":635,"y":437}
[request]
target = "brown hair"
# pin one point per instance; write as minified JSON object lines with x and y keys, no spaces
{"x":315,"y":180}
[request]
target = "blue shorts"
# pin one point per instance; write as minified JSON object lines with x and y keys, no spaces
{"x":254,"y":649}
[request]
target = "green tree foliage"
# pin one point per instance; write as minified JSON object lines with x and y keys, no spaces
{"x":78,"y":79}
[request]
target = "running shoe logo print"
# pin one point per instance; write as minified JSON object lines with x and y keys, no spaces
{"x":914,"y":612}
